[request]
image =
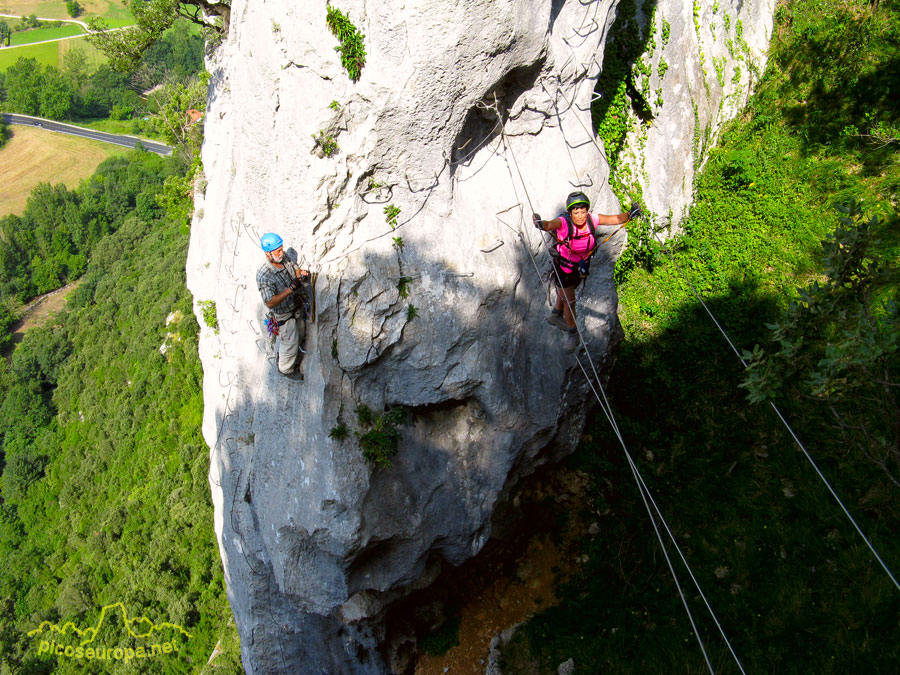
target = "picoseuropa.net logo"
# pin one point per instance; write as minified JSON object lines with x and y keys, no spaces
{"x":139,"y":638}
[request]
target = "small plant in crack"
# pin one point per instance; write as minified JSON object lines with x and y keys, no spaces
{"x":339,"y":433}
{"x":403,"y":286}
{"x":364,"y":415}
{"x":382,"y":440}
{"x":390,"y":215}
{"x":351,"y":49}
{"x":326,"y":142}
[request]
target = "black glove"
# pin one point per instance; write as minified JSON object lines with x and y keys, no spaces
{"x":635,"y":211}
{"x":296,"y":284}
{"x":538,"y":223}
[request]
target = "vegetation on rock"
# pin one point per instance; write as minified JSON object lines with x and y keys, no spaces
{"x":351,"y":48}
{"x":153,"y":18}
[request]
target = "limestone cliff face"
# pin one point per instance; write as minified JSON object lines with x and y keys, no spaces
{"x":700,"y":63}
{"x":469,"y":115}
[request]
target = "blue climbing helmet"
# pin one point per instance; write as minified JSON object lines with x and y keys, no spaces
{"x":270,"y":241}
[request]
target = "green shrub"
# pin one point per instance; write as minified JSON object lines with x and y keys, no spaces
{"x":208,"y":311}
{"x":121,"y":112}
{"x":339,"y":432}
{"x":364,"y":415}
{"x":381,"y":442}
{"x":327,"y":142}
{"x":352,"y":50}
{"x":390,"y":214}
{"x":403,"y":286}
{"x":443,"y":639}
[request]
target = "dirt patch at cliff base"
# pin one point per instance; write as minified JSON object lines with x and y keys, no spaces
{"x":37,"y":313}
{"x":504,"y":601}
{"x":511,"y":580}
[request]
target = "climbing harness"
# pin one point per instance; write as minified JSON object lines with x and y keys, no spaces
{"x":272,"y":325}
{"x":569,"y":265}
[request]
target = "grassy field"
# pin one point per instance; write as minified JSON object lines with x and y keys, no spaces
{"x":122,"y":127}
{"x":40,"y":34}
{"x":51,"y":53}
{"x":55,"y":9}
{"x":33,"y":156}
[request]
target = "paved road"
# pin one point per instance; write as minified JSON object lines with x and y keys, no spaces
{"x":87,"y":31}
{"x":41,"y":18}
{"x":115,"y":139}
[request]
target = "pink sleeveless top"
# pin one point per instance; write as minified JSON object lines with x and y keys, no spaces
{"x":582,"y":241}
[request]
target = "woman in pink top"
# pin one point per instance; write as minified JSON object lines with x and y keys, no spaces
{"x":576,"y":243}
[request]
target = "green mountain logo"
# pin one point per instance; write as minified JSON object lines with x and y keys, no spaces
{"x":56,"y":640}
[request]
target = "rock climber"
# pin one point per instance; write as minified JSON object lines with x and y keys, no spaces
{"x":576,"y":242}
{"x":280,"y":282}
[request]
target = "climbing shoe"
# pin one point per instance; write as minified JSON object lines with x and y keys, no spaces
{"x":571,"y":343}
{"x":556,"y":319}
{"x":295,"y":375}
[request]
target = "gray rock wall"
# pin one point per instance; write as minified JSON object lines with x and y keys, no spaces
{"x":469,"y":115}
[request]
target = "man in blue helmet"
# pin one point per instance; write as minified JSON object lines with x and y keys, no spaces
{"x":280,"y":282}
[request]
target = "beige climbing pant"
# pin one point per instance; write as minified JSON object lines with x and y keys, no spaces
{"x":290,"y":335}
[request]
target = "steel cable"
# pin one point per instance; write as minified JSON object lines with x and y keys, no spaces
{"x":640,"y":484}
{"x":780,"y":416}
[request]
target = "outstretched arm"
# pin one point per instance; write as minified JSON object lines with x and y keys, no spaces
{"x":546,"y":225}
{"x":620,"y":218}
{"x":617,"y":219}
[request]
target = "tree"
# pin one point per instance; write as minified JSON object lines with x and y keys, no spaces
{"x":124,"y":48}
{"x":35,"y":89}
{"x":105,"y":89}
{"x":23,"y":87}
{"x":57,"y":97}
{"x":172,"y":120}
{"x":5,"y":33}
{"x":42,"y":355}
{"x":23,"y":412}
{"x":23,"y":467}
{"x":4,"y":133}
{"x":75,"y":66}
{"x":73,"y":8}
{"x":178,"y":53}
{"x":838,"y":344}
{"x":6,"y":321}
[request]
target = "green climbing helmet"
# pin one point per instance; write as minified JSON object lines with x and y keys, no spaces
{"x":577,"y":199}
